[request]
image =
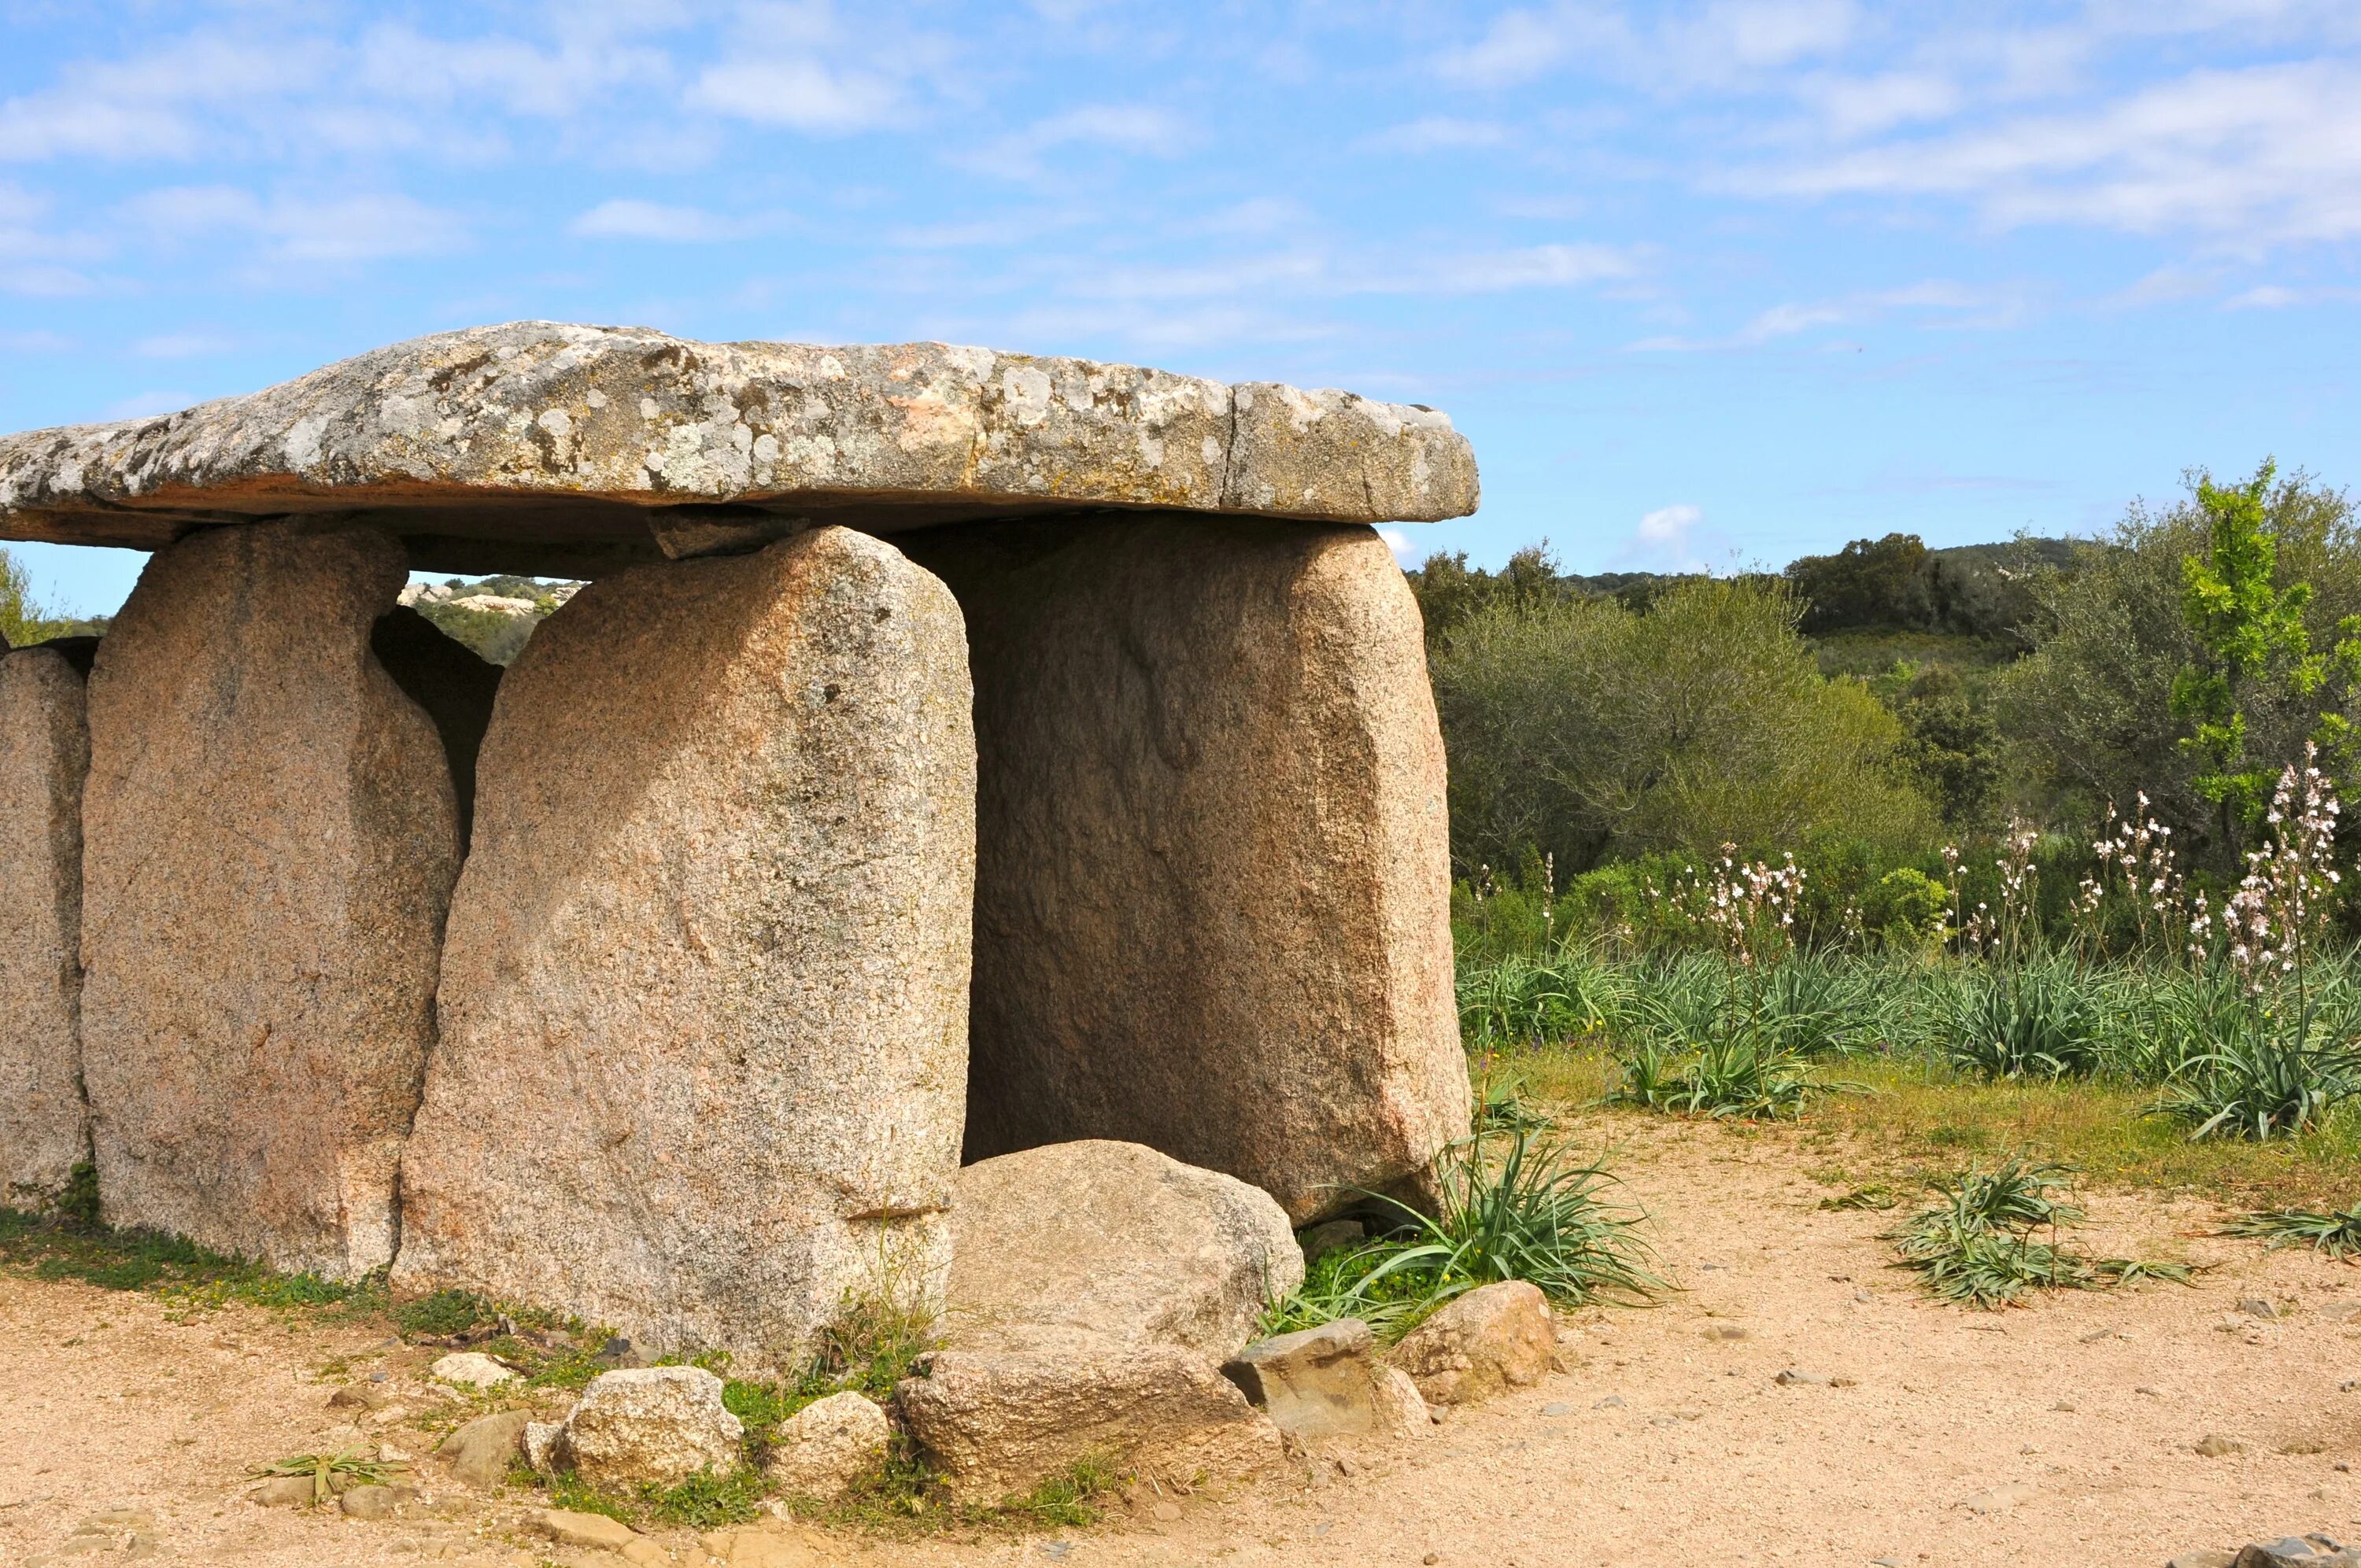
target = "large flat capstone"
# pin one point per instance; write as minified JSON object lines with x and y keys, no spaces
{"x":270,"y":845}
{"x":1214,"y":874}
{"x":542,"y":447}
{"x":44,"y":752}
{"x":704,"y":1002}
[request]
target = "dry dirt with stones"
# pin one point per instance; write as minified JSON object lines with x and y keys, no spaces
{"x":2065,"y":1432}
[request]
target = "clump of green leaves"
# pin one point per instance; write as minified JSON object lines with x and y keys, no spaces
{"x":1743,"y":1075}
{"x":325,"y":1470}
{"x":1071,"y":1498}
{"x":1510,"y":1210}
{"x":1875,"y":1196}
{"x":2336,"y":1233}
{"x":1978,"y":1246}
{"x":444,"y":1313}
{"x":2265,"y":1083}
{"x":68,"y":1244}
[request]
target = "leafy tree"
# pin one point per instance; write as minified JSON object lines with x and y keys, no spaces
{"x":1595,"y":732}
{"x":22,"y":621}
{"x":1952,"y":745}
{"x":1450,"y":592}
{"x":1868,"y":583}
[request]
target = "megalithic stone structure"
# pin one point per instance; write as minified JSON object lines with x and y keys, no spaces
{"x":1210,"y":871}
{"x":1212,"y":906}
{"x":269,"y":842}
{"x":44,"y":753}
{"x":704,"y":1001}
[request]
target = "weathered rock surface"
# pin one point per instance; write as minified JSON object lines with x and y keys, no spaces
{"x":703,"y":1005}
{"x":44,"y":753}
{"x":1318,"y":1383}
{"x":270,"y":845}
{"x":824,"y":1448}
{"x":1494,"y":1338}
{"x":660,"y":1424}
{"x":998,"y":1423}
{"x":479,"y":1452}
{"x":567,"y":1527}
{"x":453,"y":687}
{"x":1096,"y":1244}
{"x":1213,"y":909}
{"x":473,"y":1369}
{"x":547,"y":448}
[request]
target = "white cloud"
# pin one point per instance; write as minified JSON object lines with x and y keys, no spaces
{"x":400,"y":63}
{"x":149,"y":107}
{"x":623,"y":218}
{"x":2243,"y":156}
{"x":184,"y":346}
{"x":797,"y":92}
{"x":1666,"y":538}
{"x":1721,"y":43}
{"x":2277,"y":296}
{"x":295,"y":230}
{"x":1534,"y":267}
{"x":1397,"y":540}
{"x":34,"y":258}
{"x":1953,"y":305}
{"x":1119,"y":127}
{"x":1852,"y":106}
{"x":1438,"y":133}
{"x":140,"y":405}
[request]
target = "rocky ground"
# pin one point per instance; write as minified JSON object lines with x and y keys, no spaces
{"x":1917,"y":1433}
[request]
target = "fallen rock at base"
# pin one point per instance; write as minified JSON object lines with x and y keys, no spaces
{"x":1332,"y":1235}
{"x":1401,"y":1408}
{"x":658,"y":1424}
{"x":1214,"y":879}
{"x":2292,"y":1551}
{"x":820,"y":1451}
{"x":269,"y":842}
{"x":286,"y":1492}
{"x":567,"y":1527}
{"x":758,"y":1546}
{"x":703,"y":1000}
{"x":375,"y":1502}
{"x":1494,"y":1338}
{"x":1096,"y":1244}
{"x":997,"y":1424}
{"x":479,"y":1452}
{"x":1320,"y":1382}
{"x":471,"y":1368}
{"x":44,"y":755}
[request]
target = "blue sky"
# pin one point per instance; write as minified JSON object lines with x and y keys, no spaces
{"x":1706,"y":283}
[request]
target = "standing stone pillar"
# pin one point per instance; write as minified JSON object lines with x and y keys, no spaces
{"x":703,"y":1000}
{"x":1213,"y":908}
{"x":270,"y":841}
{"x":44,"y":753}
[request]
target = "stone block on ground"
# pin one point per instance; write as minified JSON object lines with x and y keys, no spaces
{"x":1493,"y":1339}
{"x":44,"y":753}
{"x":704,"y":1002}
{"x":1103,"y":1244}
{"x":658,"y":1424}
{"x":820,"y":1451}
{"x":997,"y":1424}
{"x":567,"y":1527}
{"x":1319,"y":1382}
{"x":471,"y":1368}
{"x":269,"y":842}
{"x":1212,"y":906}
{"x":479,"y":1452}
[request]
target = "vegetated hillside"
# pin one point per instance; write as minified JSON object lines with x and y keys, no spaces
{"x":495,"y":616}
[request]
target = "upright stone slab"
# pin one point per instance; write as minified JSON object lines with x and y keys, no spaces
{"x":44,"y":753}
{"x":704,"y":1003}
{"x":1213,"y":875}
{"x":270,"y":842}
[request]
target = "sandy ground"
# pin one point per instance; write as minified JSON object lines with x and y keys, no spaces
{"x":2062,"y":1434}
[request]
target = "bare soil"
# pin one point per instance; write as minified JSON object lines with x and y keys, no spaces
{"x":2062,"y":1432}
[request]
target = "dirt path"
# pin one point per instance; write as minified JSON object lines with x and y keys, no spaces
{"x":2071,"y":1424}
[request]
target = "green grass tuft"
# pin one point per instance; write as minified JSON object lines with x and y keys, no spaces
{"x":2334,"y":1232}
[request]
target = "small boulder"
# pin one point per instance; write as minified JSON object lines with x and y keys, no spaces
{"x":471,"y":1369}
{"x":2217,"y":1445}
{"x":655,"y":1424}
{"x":1316,"y":1383}
{"x":1401,"y":1408}
{"x":1494,"y":1338}
{"x":1096,"y":1244}
{"x":375,"y":1502}
{"x":480,"y":1451}
{"x":1332,"y":1235}
{"x":826,"y":1446}
{"x":567,"y":1527}
{"x":2291,"y":1551}
{"x":765,"y":1545}
{"x":999,"y":1423}
{"x":285,"y":1492}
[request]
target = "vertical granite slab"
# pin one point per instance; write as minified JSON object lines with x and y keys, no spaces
{"x":1213,"y":909}
{"x":704,"y":1008}
{"x":44,"y":753}
{"x":270,"y":845}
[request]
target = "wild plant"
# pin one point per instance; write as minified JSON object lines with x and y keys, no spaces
{"x":2037,"y":1018}
{"x":2336,"y":1233}
{"x":1977,"y":1245}
{"x":1511,"y":1208}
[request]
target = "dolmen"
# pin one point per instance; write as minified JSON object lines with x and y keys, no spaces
{"x":954,"y":753}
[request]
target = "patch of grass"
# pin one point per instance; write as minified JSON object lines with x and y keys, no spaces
{"x":2262,"y":1086}
{"x":1875,"y":1196}
{"x":2336,"y":1233}
{"x":1977,"y":1246}
{"x":58,"y":1246}
{"x":708,"y":1501}
{"x":1742,"y":1076}
{"x":325,"y":1469}
{"x":569,"y":1491}
{"x":1070,"y":1496}
{"x":444,"y":1313}
{"x":1510,"y":1210}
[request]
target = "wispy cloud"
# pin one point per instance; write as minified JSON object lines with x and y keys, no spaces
{"x":1140,"y":129}
{"x":191,"y":344}
{"x":1945,"y":303}
{"x":626,"y":218}
{"x":294,"y":229}
{"x":797,"y":92}
{"x":1437,"y":133}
